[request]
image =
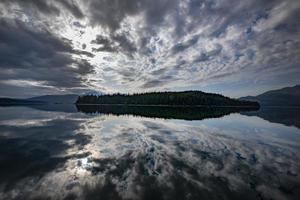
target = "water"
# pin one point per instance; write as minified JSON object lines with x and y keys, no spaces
{"x":111,"y":153}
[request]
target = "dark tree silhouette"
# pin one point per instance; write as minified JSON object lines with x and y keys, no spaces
{"x":186,"y":98}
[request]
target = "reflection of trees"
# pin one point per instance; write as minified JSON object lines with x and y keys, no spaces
{"x":187,"y":113}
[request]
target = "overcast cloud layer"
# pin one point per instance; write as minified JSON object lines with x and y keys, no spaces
{"x":66,"y":46}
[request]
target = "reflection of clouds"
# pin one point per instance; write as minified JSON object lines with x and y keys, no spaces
{"x":24,"y":122}
{"x":35,"y":146}
{"x":133,"y":157}
{"x":201,"y":155}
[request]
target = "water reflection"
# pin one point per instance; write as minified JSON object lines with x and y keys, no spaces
{"x":166,"y":112}
{"x":289,"y":116}
{"x":68,"y":155}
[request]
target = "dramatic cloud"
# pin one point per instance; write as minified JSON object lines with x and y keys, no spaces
{"x":36,"y":56}
{"x":72,"y":7}
{"x":227,"y":46}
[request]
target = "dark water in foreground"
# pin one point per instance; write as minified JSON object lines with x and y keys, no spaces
{"x":114,"y":153}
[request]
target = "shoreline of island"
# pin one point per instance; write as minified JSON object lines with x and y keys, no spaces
{"x":163,"y":105}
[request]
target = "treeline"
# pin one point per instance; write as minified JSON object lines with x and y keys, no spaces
{"x":186,"y":98}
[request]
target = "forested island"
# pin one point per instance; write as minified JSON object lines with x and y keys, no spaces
{"x":185,"y":98}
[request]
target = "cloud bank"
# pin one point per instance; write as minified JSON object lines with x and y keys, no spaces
{"x":226,"y":46}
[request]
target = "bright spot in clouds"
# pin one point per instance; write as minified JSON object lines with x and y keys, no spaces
{"x":56,"y":47}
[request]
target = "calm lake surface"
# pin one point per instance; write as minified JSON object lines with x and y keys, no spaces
{"x":64,"y":152}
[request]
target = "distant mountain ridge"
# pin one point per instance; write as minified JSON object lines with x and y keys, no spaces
{"x":10,"y":101}
{"x":288,"y":96}
{"x":46,"y":99}
{"x":61,"y":99}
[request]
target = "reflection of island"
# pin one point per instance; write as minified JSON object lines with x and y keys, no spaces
{"x":166,"y":112}
{"x":289,"y":116}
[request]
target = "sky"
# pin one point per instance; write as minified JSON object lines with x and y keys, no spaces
{"x":236,"y":48}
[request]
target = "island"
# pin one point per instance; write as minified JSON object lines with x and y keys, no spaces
{"x":184,"y":98}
